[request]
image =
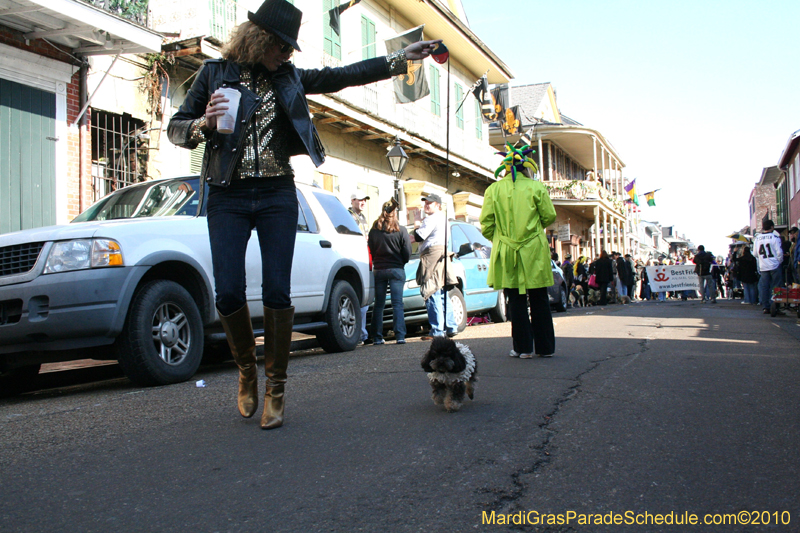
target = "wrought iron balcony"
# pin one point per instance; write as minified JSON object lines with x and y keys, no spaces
{"x":133,"y":10}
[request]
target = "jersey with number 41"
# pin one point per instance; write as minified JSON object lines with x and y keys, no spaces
{"x":769,"y":251}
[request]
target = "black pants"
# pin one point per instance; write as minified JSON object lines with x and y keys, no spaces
{"x":535,"y":335}
{"x":603,"y":288}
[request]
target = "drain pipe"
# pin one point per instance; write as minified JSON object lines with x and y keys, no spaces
{"x":83,"y":123}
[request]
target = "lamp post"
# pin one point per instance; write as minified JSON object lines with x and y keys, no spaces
{"x":398,"y":159}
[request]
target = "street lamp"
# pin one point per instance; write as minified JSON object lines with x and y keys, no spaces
{"x":398,"y":159}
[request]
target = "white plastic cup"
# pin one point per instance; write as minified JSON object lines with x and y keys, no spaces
{"x":227,"y":122}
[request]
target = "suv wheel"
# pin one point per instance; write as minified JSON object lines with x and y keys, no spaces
{"x":18,"y":380}
{"x":561,"y":304}
{"x":162,"y":340}
{"x":459,"y":308}
{"x":343,"y":316}
{"x":499,"y":314}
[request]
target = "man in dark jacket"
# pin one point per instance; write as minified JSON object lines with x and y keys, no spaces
{"x":702,"y":261}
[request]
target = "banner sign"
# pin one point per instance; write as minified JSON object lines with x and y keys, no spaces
{"x":563,"y":232}
{"x":672,"y":278}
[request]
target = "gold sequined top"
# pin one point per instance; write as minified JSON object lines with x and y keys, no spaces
{"x":265,"y":154}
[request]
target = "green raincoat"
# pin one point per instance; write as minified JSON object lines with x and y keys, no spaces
{"x":513,"y":217}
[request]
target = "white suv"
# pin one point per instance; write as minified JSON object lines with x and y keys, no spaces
{"x":131,"y":279}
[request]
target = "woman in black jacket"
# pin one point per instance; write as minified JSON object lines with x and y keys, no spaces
{"x":748,"y":274}
{"x":251,"y":180}
{"x":390,"y":248}
{"x":603,"y":275}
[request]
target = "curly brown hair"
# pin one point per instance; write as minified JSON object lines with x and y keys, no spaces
{"x":387,"y":222}
{"x":247,"y":44}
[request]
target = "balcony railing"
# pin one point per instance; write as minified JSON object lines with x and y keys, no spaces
{"x":582,"y":190}
{"x":133,"y":10}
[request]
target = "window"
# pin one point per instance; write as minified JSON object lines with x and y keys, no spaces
{"x":478,"y":120}
{"x":119,"y":153}
{"x":367,"y":39}
{"x":340,"y":217}
{"x":460,"y":110}
{"x":222,"y":18}
{"x":331,"y":43}
{"x":436,"y":107}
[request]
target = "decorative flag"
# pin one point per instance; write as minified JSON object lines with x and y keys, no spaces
{"x":631,"y":190}
{"x":484,"y":97}
{"x":651,"y":198}
{"x":500,"y":102}
{"x":337,"y":11}
{"x":511,"y":124}
{"x":411,"y":86}
{"x":440,"y":54}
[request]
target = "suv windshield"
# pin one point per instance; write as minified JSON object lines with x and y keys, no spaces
{"x":151,"y":199}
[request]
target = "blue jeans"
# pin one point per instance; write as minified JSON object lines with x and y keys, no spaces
{"x":232,"y":214}
{"x":708,"y":288}
{"x":434,"y":306}
{"x":393,"y":279}
{"x":750,"y":293}
{"x":768,"y":281}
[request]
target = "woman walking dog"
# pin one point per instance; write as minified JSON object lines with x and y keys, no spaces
{"x":251,"y":180}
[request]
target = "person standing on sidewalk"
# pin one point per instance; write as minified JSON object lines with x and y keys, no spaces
{"x":251,"y":180}
{"x":390,"y":248}
{"x":430,"y":233}
{"x":702,"y":261}
{"x":768,"y":246}
{"x":748,"y":275}
{"x":358,"y":201}
{"x":516,"y":209}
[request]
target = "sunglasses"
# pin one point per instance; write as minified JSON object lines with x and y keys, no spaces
{"x":285,"y":47}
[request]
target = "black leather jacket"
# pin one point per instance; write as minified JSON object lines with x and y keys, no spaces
{"x":291,"y":85}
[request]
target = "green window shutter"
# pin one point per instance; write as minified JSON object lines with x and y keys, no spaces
{"x":196,"y":159}
{"x":460,"y":112}
{"x":434,"y":88}
{"x":478,"y":120}
{"x":331,"y":43}
{"x":367,"y":39}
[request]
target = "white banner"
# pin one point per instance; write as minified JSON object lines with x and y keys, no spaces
{"x":672,"y":278}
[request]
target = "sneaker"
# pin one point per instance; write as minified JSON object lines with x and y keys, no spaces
{"x":766,"y":311}
{"x":401,"y":341}
{"x":379,"y":341}
{"x":366,"y":341}
{"x":512,"y":353}
{"x":744,"y":303}
{"x":546,"y":355}
{"x":452,"y":334}
{"x":526,"y":356}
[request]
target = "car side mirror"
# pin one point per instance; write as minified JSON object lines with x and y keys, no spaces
{"x":465,"y":249}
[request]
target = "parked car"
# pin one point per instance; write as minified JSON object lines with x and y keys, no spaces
{"x":131,"y":279}
{"x":472,"y":296}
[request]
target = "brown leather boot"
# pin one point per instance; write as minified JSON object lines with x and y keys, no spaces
{"x":242,"y":342}
{"x":277,"y":342}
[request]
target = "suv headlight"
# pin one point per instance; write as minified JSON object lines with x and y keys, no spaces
{"x":82,"y":254}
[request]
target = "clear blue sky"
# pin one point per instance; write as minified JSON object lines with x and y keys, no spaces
{"x":696,"y":96}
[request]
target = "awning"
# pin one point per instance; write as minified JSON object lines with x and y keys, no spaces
{"x":84,"y":28}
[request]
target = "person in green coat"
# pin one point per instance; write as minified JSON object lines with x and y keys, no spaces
{"x":516,"y":209}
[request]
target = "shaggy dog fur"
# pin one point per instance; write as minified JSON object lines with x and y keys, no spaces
{"x":623,"y":299}
{"x":452,"y":371}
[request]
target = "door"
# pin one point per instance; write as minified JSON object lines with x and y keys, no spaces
{"x":27,"y":157}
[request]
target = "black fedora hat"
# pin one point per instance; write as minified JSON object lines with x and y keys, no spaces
{"x":279,"y":17}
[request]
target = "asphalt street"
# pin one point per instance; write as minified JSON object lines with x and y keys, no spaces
{"x":649,"y":408}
